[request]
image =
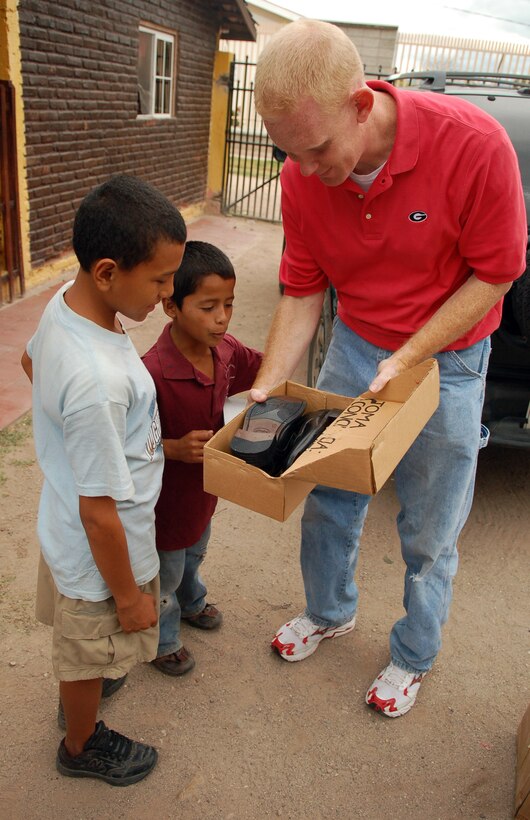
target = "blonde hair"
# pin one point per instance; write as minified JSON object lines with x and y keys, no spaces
{"x":307,"y":58}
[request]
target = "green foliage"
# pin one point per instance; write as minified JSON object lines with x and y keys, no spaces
{"x":15,"y":434}
{"x":12,"y":437}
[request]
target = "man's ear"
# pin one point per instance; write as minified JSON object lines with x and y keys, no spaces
{"x":363,"y":101}
{"x":103,"y":273}
{"x":170,"y":307}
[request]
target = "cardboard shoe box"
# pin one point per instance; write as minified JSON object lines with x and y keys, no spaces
{"x":358,"y":451}
{"x":522,"y":785}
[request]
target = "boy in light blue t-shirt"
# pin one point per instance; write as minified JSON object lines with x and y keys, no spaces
{"x":98,"y":442}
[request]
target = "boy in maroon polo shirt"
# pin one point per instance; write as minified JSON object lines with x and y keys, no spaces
{"x":195,"y":365}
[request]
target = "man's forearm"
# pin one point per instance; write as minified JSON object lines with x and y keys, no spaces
{"x":455,"y":317}
{"x":452,"y":320}
{"x":292,"y":328}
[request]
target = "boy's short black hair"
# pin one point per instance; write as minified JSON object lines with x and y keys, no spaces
{"x":123,"y":219}
{"x":200,"y":259}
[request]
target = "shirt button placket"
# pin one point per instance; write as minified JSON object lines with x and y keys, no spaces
{"x":369,"y":222}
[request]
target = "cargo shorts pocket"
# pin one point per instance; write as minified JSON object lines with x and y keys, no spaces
{"x":92,"y":639}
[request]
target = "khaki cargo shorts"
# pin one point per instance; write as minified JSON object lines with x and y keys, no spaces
{"x":88,"y":641}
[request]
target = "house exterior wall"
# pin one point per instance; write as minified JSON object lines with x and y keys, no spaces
{"x":79,"y":68}
{"x":10,"y":69}
{"x":270,"y":17}
{"x":376,"y":45}
{"x":216,"y":153}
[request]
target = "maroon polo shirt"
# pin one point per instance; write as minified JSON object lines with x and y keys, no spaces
{"x":190,"y":400}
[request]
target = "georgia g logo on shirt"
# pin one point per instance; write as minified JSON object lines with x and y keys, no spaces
{"x":418,"y":216}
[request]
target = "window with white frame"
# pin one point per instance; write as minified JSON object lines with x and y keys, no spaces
{"x":156,"y":72}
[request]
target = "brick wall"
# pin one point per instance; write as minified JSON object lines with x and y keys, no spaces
{"x":79,"y":70}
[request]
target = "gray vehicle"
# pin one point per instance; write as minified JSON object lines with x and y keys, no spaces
{"x":507,"y":402}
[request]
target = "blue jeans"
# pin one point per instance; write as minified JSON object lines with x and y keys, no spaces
{"x":182,"y":591}
{"x":434,"y":483}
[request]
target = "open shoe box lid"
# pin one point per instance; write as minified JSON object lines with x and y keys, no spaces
{"x":357,"y":452}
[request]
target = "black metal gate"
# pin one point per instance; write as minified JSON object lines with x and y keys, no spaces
{"x":251,"y":184}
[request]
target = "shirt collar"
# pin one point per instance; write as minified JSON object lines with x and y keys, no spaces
{"x":405,"y":152}
{"x":175,"y":366}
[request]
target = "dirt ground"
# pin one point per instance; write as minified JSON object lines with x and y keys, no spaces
{"x":246,"y":735}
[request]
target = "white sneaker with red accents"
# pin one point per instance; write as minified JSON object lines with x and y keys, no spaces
{"x":394,"y":691}
{"x":299,"y":638}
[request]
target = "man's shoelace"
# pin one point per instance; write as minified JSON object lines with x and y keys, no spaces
{"x":395,"y":676}
{"x":302,"y":626}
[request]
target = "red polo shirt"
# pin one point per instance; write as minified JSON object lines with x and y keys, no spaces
{"x":448,"y":203}
{"x":190,"y":400}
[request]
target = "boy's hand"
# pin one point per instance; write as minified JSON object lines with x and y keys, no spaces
{"x":189,"y":448}
{"x":141,"y":614}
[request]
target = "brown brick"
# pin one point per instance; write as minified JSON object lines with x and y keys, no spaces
{"x":80,"y":95}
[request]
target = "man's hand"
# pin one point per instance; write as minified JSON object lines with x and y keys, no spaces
{"x":138,"y":615}
{"x":189,"y":448}
{"x":257,"y":395}
{"x":387,"y":369}
{"x":293,"y":325}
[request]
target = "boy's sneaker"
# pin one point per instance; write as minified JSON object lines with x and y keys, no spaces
{"x":175,"y":664}
{"x":299,"y":638}
{"x":394,"y":691}
{"x":108,"y":687}
{"x":111,"y":685}
{"x":108,"y":756}
{"x":207,"y":618}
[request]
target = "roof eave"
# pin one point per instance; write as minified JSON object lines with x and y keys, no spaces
{"x":238,"y":23}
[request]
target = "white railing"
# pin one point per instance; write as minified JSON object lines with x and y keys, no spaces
{"x":417,"y":52}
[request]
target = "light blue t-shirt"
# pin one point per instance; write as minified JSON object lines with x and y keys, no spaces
{"x":97,"y":433}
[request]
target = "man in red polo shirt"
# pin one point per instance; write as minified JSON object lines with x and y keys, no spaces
{"x":411,"y":205}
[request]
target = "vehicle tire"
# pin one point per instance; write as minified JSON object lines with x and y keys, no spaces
{"x":521,"y":301}
{"x":321,"y":338}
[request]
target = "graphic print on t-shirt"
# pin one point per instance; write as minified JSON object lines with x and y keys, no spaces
{"x":155,"y":432}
